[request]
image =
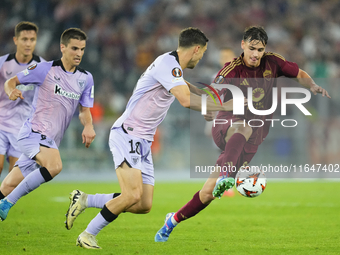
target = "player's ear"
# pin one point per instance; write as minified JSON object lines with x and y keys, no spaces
{"x":242,"y":44}
{"x":62,"y":47}
{"x":197,"y":48}
{"x":15,"y":40}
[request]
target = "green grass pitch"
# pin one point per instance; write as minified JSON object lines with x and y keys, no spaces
{"x":288,"y":218}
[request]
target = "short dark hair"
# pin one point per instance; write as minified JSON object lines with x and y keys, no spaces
{"x":192,"y":36}
{"x":255,"y":33}
{"x":72,"y":33}
{"x":25,"y":25}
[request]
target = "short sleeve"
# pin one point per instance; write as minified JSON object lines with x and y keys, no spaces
{"x":287,"y":68}
{"x":34,"y":74}
{"x":224,"y":76}
{"x":169,"y":73}
{"x":290,"y":69}
{"x":87,"y":97}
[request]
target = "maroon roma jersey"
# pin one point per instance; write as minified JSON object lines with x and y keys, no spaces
{"x":262,"y":79}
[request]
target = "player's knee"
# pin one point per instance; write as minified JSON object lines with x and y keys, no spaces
{"x":7,"y":187}
{"x":132,"y":198}
{"x":54,"y":169}
{"x":246,"y":131}
{"x":146,"y":207}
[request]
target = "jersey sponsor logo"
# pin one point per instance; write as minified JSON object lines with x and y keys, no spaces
{"x":25,"y":88}
{"x":219,"y":79}
{"x":8,"y":73}
{"x":81,"y":83}
{"x":31,"y":67}
{"x":267,"y":74}
{"x":59,"y":91}
{"x":176,"y":72}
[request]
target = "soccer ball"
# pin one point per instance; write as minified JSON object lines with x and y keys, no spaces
{"x":250,"y":181}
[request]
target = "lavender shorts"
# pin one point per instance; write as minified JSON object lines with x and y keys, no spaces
{"x":30,"y":146}
{"x":136,"y":152}
{"x":9,"y":145}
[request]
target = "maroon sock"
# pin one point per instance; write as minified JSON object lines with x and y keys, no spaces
{"x":193,"y":207}
{"x":232,"y":152}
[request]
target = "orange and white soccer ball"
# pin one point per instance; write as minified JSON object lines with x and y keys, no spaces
{"x":250,"y":181}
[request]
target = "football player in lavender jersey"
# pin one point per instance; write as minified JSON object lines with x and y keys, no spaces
{"x":14,"y":113}
{"x":132,"y":134}
{"x":61,"y":86}
{"x":239,"y":143}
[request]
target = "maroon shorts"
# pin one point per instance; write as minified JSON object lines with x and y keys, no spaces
{"x":219,"y":132}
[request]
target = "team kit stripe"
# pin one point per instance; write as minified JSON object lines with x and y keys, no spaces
{"x":276,"y":55}
{"x":227,"y":70}
{"x":230,"y":67}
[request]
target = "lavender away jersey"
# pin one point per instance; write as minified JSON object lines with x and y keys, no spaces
{"x":14,"y":113}
{"x":56,"y":98}
{"x":151,"y":98}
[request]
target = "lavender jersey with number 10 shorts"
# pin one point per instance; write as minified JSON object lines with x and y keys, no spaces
{"x":56,"y":98}
{"x":132,"y":134}
{"x":13,"y":113}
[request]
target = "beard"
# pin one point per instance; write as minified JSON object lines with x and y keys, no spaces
{"x":192,"y":64}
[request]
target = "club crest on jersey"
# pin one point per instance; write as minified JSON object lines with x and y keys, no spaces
{"x":219,"y":79}
{"x":81,"y":83}
{"x":267,"y":74}
{"x":135,"y":160}
{"x":31,"y":67}
{"x":176,"y":72}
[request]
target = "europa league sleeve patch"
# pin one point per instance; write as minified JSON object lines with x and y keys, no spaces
{"x":31,"y":67}
{"x":176,"y":72}
{"x":219,"y":79}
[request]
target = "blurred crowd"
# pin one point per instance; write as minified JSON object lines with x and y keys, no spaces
{"x":126,"y":35}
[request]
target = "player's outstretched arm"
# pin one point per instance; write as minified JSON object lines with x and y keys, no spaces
{"x":193,"y":89}
{"x":10,"y":88}
{"x":306,"y":81}
{"x":194,"y":102}
{"x":85,"y":118}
